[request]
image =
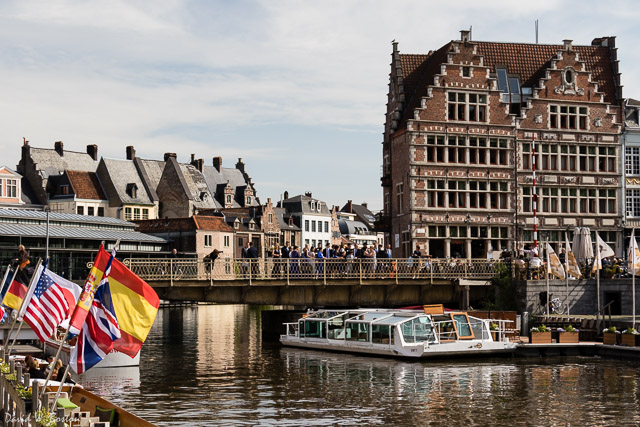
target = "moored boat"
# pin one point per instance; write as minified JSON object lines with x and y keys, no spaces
{"x":396,"y":332}
{"x":112,"y":359}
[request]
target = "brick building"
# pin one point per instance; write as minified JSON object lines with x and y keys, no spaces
{"x":459,"y":138}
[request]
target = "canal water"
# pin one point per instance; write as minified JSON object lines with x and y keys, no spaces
{"x":207,"y":365}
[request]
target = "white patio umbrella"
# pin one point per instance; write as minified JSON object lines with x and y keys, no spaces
{"x":582,"y":246}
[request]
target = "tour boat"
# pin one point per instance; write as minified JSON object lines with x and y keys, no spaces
{"x":396,"y":332}
{"x":111,"y":360}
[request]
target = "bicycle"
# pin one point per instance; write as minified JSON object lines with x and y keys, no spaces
{"x":556,"y":306}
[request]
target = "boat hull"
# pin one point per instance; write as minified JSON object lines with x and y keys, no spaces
{"x":112,"y":360}
{"x":459,"y":348}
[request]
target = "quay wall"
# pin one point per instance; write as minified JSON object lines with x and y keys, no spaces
{"x":582,"y":295}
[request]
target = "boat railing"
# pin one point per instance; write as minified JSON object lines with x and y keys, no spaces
{"x":291,"y":329}
{"x":500,"y":333}
{"x":314,"y":269}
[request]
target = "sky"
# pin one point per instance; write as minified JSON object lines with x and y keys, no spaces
{"x":297,"y":89}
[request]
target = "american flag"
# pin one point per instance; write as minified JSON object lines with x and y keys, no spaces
{"x":53,"y":300}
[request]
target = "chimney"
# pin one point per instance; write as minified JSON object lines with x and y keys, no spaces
{"x":131,"y":153}
{"x":92,"y":150}
{"x":365,"y":205}
{"x":566,"y":44}
{"x":240,"y":165}
{"x":286,"y":195}
{"x":464,"y":35}
{"x":308,"y":194}
{"x":193,"y":158}
{"x":217,"y":163}
{"x":58,"y":147}
{"x":169,"y":155}
{"x":199,"y":164}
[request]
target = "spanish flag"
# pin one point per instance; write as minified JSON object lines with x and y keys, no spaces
{"x":135,"y":302}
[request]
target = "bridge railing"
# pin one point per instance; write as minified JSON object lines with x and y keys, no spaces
{"x":324,"y":269}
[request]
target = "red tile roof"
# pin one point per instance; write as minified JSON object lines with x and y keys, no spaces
{"x":85,"y":185}
{"x":527,"y":60}
{"x":196,"y":222}
{"x":531,"y":60}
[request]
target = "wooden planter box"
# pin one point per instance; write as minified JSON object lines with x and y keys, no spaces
{"x":494,"y":335}
{"x":541,"y":337}
{"x":628,"y":340}
{"x":568,"y":337}
{"x":610,"y":338}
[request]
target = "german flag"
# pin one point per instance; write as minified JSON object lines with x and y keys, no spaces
{"x":135,"y":302}
{"x":17,"y":290}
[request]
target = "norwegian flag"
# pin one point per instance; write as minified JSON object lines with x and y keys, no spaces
{"x":52,"y":302}
{"x":98,"y":332}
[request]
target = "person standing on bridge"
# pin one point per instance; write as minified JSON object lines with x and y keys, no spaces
{"x":213,"y":256}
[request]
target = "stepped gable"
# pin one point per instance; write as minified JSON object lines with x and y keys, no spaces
{"x":531,"y":60}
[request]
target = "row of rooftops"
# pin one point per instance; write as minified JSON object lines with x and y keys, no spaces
{"x":134,"y":180}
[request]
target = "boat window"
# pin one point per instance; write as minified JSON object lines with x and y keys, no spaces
{"x":313,"y":328}
{"x":419,"y":329}
{"x":478,"y":328}
{"x":462,"y":325}
{"x":336,"y":328}
{"x":357,"y":331}
{"x":382,"y":334}
{"x":447,"y":331}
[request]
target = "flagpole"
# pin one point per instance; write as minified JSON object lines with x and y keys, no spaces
{"x":64,"y":378}
{"x":55,"y":359}
{"x":31,"y":283}
{"x":546,"y":252}
{"x":4,"y":345}
{"x":598,"y":267}
{"x":632,"y":254}
{"x":566,"y":271}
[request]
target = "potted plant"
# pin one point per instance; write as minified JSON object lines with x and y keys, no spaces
{"x":568,"y":335}
{"x":45,"y":418}
{"x":540,"y":335}
{"x":610,"y":336}
{"x":26,"y":395}
{"x":493,"y":327}
{"x":628,"y":337}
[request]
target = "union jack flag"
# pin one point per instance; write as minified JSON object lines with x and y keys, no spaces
{"x":98,"y":333}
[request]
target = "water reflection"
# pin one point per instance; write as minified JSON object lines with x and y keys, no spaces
{"x":208,"y":366}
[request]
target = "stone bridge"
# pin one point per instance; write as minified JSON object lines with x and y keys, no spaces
{"x":319,"y":282}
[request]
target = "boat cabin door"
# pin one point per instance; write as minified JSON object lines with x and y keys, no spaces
{"x":462,"y":326}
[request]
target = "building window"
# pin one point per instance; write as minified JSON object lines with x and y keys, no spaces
{"x":399,"y":196}
{"x":208,"y":240}
{"x":100,"y":211}
{"x":227,"y":241}
{"x":464,"y":106}
{"x":145,"y":213}
{"x":632,"y":160}
{"x":326,"y":226}
{"x":136,"y":213}
{"x":568,"y":117}
{"x":12,"y":188}
{"x":466,"y":71}
{"x":229,"y":201}
{"x":568,"y":200}
{"x":64,"y":189}
{"x":127,"y":214}
{"x":248,"y":200}
{"x":132,"y":190}
{"x":306,"y":225}
{"x":252,"y":226}
{"x":607,"y":201}
{"x":633,"y":202}
{"x":80,"y":210}
{"x":313,"y":226}
{"x":90,"y":210}
{"x":270,"y":218}
{"x":313,"y":205}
